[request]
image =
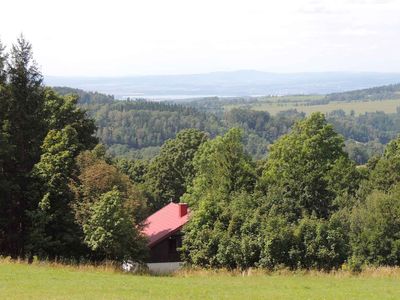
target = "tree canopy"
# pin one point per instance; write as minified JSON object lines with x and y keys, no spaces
{"x":264,"y":191}
{"x":308,"y":168}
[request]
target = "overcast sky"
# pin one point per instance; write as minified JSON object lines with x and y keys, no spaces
{"x":118,"y":38}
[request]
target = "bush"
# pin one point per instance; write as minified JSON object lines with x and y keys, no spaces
{"x":375,"y":229}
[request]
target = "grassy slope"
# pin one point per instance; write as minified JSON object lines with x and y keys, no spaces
{"x":21,"y":281}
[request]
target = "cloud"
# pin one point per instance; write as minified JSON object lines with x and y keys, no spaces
{"x":330,"y":7}
{"x":124,"y":37}
{"x":358,"y":32}
{"x":321,"y":7}
{"x":361,"y":2}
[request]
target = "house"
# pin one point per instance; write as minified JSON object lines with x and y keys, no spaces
{"x":163,"y":230}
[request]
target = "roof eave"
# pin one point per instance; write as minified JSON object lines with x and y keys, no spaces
{"x":153,"y":243}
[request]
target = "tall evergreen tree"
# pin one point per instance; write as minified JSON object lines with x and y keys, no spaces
{"x":3,"y":105}
{"x":26,"y":130}
{"x":5,"y":147}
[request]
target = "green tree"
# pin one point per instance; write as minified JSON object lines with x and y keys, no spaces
{"x":375,"y":229}
{"x":310,"y":243}
{"x":386,"y":171}
{"x":61,"y":111}
{"x":221,"y":166}
{"x":277,"y":242}
{"x":110,"y":229}
{"x":94,"y":177}
{"x":136,"y":169}
{"x":25,"y":129}
{"x":34,"y":170}
{"x":4,"y":146}
{"x":218,"y":196}
{"x":172,"y":170}
{"x":307,"y":169}
{"x":54,"y":232}
{"x":6,"y":153}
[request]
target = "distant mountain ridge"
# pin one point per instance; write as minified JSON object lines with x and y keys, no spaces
{"x":237,"y":83}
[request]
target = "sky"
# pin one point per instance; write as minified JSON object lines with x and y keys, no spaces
{"x":143,"y":37}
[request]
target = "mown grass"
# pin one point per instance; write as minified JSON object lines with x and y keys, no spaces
{"x":23,"y":281}
{"x":359,"y":107}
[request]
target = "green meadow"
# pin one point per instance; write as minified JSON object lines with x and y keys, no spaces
{"x":23,"y":281}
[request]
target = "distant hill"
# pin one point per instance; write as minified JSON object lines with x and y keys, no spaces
{"x":375,"y":93}
{"x":238,"y":83}
{"x":137,"y":129}
{"x":84,"y":96}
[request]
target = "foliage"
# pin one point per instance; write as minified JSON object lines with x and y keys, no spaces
{"x":23,"y":127}
{"x":307,"y":169}
{"x":170,"y":172}
{"x":221,"y":166}
{"x":141,"y":124}
{"x":292,"y":218}
{"x":223,"y":172}
{"x":111,"y":231}
{"x":96,"y":176}
{"x":154,"y":123}
{"x":304,"y":205}
{"x":312,"y":243}
{"x":375,"y":229}
{"x":386,"y":171}
{"x":46,"y":170}
{"x":136,"y":128}
{"x":135,"y":169}
{"x":84,"y":96}
{"x":375,"y":93}
{"x":54,"y":232}
{"x":360,"y":153}
{"x":63,"y":111}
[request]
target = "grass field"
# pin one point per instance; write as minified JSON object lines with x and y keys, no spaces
{"x":359,"y":107}
{"x":22,"y":281}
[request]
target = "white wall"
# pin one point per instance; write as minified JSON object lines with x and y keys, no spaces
{"x":164,"y":268}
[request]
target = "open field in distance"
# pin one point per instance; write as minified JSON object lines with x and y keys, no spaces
{"x":23,"y":281}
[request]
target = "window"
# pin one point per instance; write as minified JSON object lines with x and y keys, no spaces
{"x":172,"y":244}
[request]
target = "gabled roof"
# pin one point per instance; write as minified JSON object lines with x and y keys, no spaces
{"x":166,"y":221}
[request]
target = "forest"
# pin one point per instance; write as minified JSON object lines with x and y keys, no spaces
{"x":137,"y":128}
{"x":316,"y":192}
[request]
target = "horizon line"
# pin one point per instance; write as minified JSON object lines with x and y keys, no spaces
{"x":221,"y":72}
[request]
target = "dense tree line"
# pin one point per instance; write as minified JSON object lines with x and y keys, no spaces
{"x":84,"y":96}
{"x":376,"y":93}
{"x":367,"y":134}
{"x":306,"y":206}
{"x":142,"y":124}
{"x":138,"y":128}
{"x":60,"y":195}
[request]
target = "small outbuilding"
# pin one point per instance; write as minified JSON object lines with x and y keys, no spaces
{"x":163,"y":230}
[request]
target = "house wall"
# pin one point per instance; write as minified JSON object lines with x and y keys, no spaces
{"x":166,"y":250}
{"x":164,"y":267}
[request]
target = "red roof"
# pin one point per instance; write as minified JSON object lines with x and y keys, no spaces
{"x":166,"y":221}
